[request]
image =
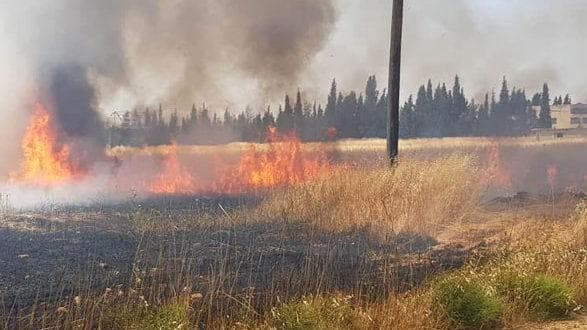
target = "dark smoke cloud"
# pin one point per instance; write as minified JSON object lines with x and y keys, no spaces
{"x":73,"y":101}
{"x":224,"y":51}
{"x":279,"y":38}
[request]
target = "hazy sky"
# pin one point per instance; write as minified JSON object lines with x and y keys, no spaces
{"x":530,"y":41}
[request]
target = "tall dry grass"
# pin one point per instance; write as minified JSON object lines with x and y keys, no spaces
{"x":557,"y":248}
{"x":414,"y":196}
{"x":534,"y":246}
{"x":462,"y":144}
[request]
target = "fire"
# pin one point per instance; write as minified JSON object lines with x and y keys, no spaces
{"x":45,"y":161}
{"x":496,"y":174}
{"x":330,"y":133}
{"x":552,"y":173}
{"x":175,"y":178}
{"x":286,"y":162}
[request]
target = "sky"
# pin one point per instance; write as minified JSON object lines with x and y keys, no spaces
{"x":530,"y":41}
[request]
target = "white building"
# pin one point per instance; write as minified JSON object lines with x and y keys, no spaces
{"x":568,"y":116}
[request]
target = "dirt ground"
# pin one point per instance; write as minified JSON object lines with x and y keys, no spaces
{"x":578,"y":322}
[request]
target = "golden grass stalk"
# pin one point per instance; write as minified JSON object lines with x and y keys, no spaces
{"x":414,"y":196}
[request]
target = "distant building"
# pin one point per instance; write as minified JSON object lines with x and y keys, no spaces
{"x":568,"y":116}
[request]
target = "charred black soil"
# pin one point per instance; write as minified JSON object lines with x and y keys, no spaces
{"x":175,"y":243}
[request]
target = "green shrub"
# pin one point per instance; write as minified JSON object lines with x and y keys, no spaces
{"x":315,"y":313}
{"x":466,"y":304}
{"x":170,"y":316}
{"x":545,"y":297}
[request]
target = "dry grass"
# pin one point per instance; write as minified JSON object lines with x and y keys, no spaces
{"x":532,"y":246}
{"x":463,"y":144}
{"x":415,"y":196}
{"x":562,"y":251}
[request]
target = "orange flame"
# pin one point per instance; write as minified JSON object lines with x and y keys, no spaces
{"x":45,"y":161}
{"x":552,"y":173}
{"x":330,"y":133}
{"x":496,"y":174}
{"x":284,"y":163}
{"x":175,"y":178}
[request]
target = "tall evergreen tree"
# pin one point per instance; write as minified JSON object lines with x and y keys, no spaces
{"x":174,"y":125}
{"x":429,"y":92}
{"x":285,"y":119}
{"x":194,"y":115}
{"x":298,"y":114}
{"x":371,"y":94}
{"x":458,"y":113}
{"x":381,"y":115}
{"x":268,"y":119}
{"x":406,"y":119}
{"x":442,"y":104}
{"x":422,"y":114}
{"x":536,"y":99}
{"x":330,"y":111}
{"x":544,"y":119}
{"x":348,"y":116}
{"x":370,"y":116}
{"x":502,"y":112}
{"x":483,"y":117}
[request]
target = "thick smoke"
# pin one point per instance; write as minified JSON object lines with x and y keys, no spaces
{"x":73,"y":101}
{"x":279,"y":38}
{"x":178,"y":52}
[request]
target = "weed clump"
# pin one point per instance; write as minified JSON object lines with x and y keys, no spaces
{"x":466,"y":304}
{"x":544,"y":297}
{"x":316,"y":313}
{"x":169,"y":316}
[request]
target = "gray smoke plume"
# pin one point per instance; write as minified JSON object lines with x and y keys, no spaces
{"x":73,"y":101}
{"x":279,"y":37}
{"x":178,"y":51}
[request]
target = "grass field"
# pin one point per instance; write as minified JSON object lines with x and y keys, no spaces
{"x":461,"y":233}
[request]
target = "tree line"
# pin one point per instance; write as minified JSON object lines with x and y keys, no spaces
{"x":435,"y":112}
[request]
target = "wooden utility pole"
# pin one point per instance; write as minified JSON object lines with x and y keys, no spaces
{"x":394,"y":80}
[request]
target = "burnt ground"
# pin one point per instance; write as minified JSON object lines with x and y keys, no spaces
{"x":167,"y":245}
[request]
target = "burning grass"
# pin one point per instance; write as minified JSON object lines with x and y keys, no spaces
{"x":46,"y":161}
{"x":415,"y":196}
{"x":175,"y":179}
{"x":284,"y":163}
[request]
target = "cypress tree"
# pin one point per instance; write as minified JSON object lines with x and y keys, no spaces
{"x":298,"y":113}
{"x":483,"y":117}
{"x":544,"y":119}
{"x":330,"y":111}
{"x":370,"y":115}
{"x":421,"y":113}
{"x":406,"y":119}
